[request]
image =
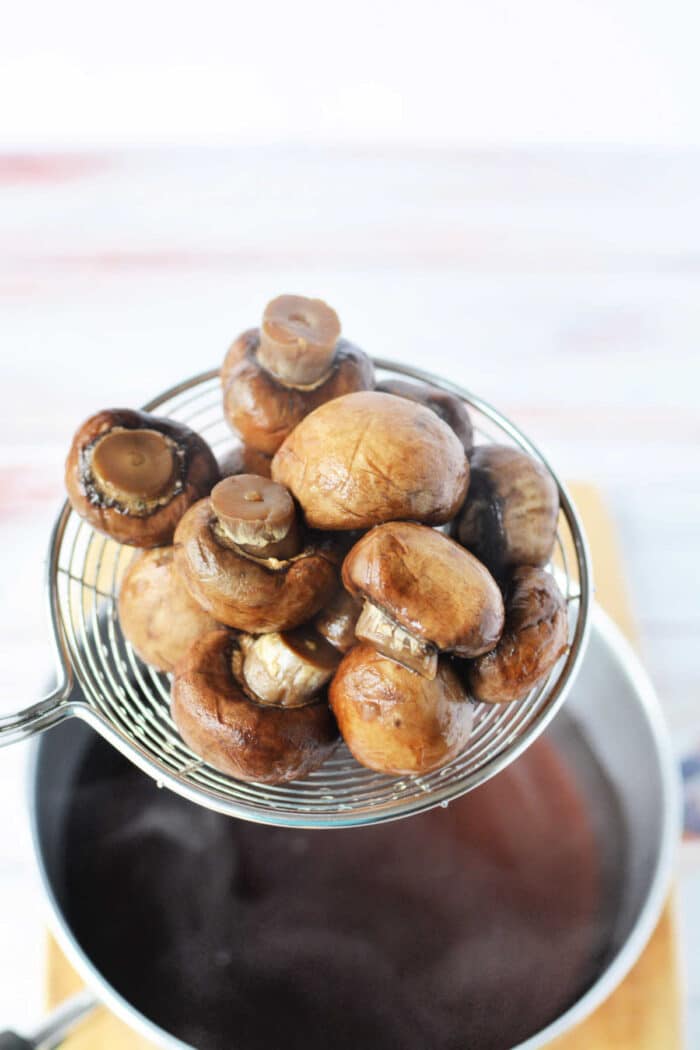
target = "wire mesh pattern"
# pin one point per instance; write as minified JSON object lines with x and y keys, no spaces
{"x":128,"y":701}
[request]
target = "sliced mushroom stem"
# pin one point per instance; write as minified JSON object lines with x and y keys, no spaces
{"x":395,"y":642}
{"x":133,"y":465}
{"x":282,"y":550}
{"x":288,"y":669}
{"x":257,"y":515}
{"x":297,"y":339}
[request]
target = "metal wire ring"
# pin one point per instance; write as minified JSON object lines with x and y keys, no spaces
{"x":127,"y":702}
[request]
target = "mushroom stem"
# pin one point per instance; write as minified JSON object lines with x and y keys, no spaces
{"x":395,"y":642}
{"x":337,"y":620}
{"x":133,"y":466}
{"x":289,"y":669}
{"x":257,"y":515}
{"x":297,"y":339}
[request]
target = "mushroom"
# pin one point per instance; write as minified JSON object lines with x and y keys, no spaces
{"x":242,"y":459}
{"x":288,"y":669}
{"x":396,"y":721}
{"x":244,"y":558}
{"x":223,"y":724}
{"x":448,"y":407}
{"x":369,"y":457}
{"x":132,"y":475}
{"x":535,"y":636}
{"x":423,"y":595}
{"x":157,"y":615}
{"x":275,"y":375}
{"x":336,"y":620}
{"x":510,"y":515}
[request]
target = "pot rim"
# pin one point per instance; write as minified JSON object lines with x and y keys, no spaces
{"x":618,"y":967}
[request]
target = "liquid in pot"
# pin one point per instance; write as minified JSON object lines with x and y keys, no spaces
{"x":467,"y":927}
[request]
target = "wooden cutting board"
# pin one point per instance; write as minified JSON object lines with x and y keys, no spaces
{"x":645,"y":1011}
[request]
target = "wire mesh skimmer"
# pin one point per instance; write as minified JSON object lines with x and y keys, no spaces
{"x":128,"y":702}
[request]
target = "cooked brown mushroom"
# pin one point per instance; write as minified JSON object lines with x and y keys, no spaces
{"x":220,"y":721}
{"x":132,"y":475}
{"x":448,"y":406}
{"x":274,"y":376}
{"x":156,"y":612}
{"x":370,"y":457}
{"x":290,"y":668}
{"x":336,"y":620}
{"x":242,"y":459}
{"x":255,"y":592}
{"x":510,"y":515}
{"x":535,"y":636}
{"x":396,"y":721}
{"x":423,"y":594}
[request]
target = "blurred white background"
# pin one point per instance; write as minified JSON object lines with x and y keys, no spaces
{"x":444,"y":71}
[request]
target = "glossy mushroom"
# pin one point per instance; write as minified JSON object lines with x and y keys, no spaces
{"x":218,"y":718}
{"x":396,"y":721}
{"x":370,"y":457}
{"x":337,"y":620}
{"x":423,"y":595}
{"x":132,"y":475}
{"x":535,"y":636}
{"x":275,"y":375}
{"x":450,"y":408}
{"x":510,"y":515}
{"x":245,"y":559}
{"x":156,"y":612}
{"x":289,"y":668}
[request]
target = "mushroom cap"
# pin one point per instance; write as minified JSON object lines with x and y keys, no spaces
{"x":510,"y":515}
{"x":241,"y":347}
{"x":156,"y":612}
{"x":428,"y":584}
{"x":369,"y":457}
{"x":535,"y":636}
{"x":199,"y":472}
{"x":234,"y":734}
{"x":252,"y":594}
{"x":449,"y":407}
{"x":264,"y":411}
{"x":396,"y":721}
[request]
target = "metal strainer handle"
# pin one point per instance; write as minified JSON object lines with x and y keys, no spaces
{"x":55,"y":1027}
{"x":53,"y":708}
{"x":42,"y":715}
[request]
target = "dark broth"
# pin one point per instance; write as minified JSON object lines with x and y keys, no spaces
{"x":467,"y":927}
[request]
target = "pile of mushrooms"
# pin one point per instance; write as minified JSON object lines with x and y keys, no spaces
{"x":354,"y":568}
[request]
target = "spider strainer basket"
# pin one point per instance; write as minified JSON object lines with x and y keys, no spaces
{"x":128,"y":702}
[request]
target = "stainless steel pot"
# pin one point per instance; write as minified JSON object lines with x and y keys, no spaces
{"x":612,"y":728}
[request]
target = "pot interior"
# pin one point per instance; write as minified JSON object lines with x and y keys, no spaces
{"x":478,"y":924}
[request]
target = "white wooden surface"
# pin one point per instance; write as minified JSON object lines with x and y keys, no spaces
{"x":457,"y":71}
{"x":562,"y":285}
